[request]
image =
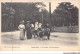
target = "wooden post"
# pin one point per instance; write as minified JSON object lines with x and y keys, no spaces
{"x":50,"y":14}
{"x":42,"y":18}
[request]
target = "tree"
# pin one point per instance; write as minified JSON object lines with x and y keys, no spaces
{"x":63,"y":14}
{"x":7,"y":16}
{"x":13,"y":13}
{"x":74,"y":14}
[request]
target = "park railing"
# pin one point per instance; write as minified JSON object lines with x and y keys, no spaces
{"x":69,"y":29}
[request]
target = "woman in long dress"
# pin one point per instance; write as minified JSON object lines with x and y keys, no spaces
{"x":28,"y":30}
{"x":21,"y":28}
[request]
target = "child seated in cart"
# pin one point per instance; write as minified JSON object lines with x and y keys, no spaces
{"x":44,"y":32}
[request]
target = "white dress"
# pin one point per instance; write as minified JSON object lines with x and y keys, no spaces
{"x":21,"y":28}
{"x":36,"y":26}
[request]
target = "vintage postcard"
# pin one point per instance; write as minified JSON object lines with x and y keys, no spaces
{"x":39,"y":25}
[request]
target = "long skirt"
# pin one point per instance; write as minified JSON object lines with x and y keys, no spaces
{"x":29,"y":34}
{"x":22,"y":34}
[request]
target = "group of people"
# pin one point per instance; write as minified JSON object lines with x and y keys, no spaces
{"x":27,"y":28}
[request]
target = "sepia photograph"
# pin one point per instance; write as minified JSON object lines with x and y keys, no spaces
{"x":40,"y":26}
